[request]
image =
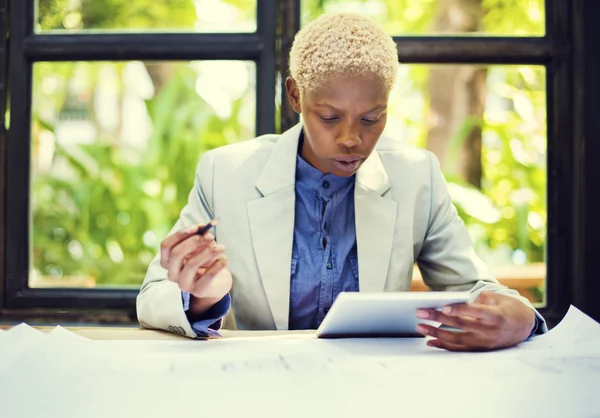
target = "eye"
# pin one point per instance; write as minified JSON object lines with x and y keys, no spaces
{"x":329,"y":119}
{"x":369,"y":121}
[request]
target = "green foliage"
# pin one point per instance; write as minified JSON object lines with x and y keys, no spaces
{"x":108,"y":14}
{"x":103,"y":207}
{"x":514,"y":17}
{"x":514,"y":159}
{"x":514,"y":163}
{"x":130,"y":15}
{"x":397,"y":17}
{"x":407,"y":17}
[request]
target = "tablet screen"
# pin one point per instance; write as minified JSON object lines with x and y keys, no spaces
{"x":355,"y":314}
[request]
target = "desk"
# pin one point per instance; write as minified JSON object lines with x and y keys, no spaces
{"x":118,"y":333}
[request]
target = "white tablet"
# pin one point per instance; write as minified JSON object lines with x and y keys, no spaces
{"x":355,"y":314}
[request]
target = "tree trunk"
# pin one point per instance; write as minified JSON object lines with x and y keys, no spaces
{"x":159,"y":72}
{"x":457,"y":95}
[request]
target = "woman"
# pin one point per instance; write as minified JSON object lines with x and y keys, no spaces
{"x":327,"y":206}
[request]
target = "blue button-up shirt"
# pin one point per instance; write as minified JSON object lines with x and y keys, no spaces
{"x":324,"y":258}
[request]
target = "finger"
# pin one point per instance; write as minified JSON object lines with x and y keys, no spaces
{"x":186,"y":249}
{"x":219,"y":264}
{"x":199,"y":273}
{"x":460,"y":322}
{"x":191,"y":246}
{"x":212,"y":247}
{"x":453,"y":337}
{"x":475,"y":341}
{"x":209,"y":275}
{"x":474,"y":310}
{"x":175,"y":238}
{"x":447,"y":346}
{"x":190,"y":273}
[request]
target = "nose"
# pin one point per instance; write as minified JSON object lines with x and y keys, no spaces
{"x":349,"y":137}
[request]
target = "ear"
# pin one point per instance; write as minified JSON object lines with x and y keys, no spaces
{"x":293,"y":93}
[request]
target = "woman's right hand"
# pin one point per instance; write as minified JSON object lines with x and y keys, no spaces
{"x":198,"y":265}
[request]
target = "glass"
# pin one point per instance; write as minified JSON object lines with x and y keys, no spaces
{"x":487,"y":126}
{"x":114,"y":151}
{"x":146,"y":15}
{"x":436,"y":17}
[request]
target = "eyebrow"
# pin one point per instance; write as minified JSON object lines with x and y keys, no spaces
{"x":378,"y":107}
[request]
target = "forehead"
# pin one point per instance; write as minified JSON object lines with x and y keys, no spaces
{"x":342,"y":92}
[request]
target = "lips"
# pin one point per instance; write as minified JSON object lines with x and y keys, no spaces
{"x":347,"y":163}
{"x":347,"y":158}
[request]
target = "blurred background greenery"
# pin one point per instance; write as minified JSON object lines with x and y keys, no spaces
{"x":115,"y":144}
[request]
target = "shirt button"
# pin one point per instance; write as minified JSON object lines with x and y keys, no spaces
{"x":329,"y":266}
{"x":326,"y":184}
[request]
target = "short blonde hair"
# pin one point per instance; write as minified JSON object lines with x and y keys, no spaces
{"x":342,"y":44}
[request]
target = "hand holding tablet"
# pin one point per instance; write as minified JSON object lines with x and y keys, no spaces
{"x":355,"y":314}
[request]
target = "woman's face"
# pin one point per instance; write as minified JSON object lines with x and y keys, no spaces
{"x":342,"y":122}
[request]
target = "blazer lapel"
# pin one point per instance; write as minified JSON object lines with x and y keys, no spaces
{"x":375,"y":224}
{"x":271,"y":221}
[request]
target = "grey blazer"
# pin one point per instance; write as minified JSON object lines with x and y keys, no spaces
{"x":404,"y":216}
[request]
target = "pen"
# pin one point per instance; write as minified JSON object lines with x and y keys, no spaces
{"x":206,"y":227}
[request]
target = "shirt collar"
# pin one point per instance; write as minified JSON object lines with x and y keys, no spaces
{"x":312,"y":178}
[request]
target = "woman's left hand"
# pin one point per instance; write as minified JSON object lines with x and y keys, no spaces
{"x":493,"y":321}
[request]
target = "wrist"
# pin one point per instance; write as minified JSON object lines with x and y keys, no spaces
{"x":220,"y":286}
{"x":199,"y":306}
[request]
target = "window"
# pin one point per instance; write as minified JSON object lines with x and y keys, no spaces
{"x":87,"y":187}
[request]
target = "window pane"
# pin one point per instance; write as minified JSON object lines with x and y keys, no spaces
{"x":487,"y":126}
{"x":114,"y":151}
{"x":431,"y":17}
{"x":146,"y":15}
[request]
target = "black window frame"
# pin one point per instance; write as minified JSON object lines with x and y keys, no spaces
{"x":569,"y":28}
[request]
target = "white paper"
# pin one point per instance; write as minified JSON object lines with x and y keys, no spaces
{"x":65,"y":375}
{"x":577,"y":333}
{"x":17,"y":342}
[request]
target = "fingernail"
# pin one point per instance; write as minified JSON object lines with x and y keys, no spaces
{"x":421,"y":329}
{"x":422,"y":314}
{"x":224,"y":258}
{"x":220,"y":247}
{"x":446,"y":309}
{"x":209,"y":237}
{"x":191,"y":229}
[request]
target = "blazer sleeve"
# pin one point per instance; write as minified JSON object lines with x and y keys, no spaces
{"x":447,"y":259}
{"x":159,"y":303}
